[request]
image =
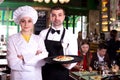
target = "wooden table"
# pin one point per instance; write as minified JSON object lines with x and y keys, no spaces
{"x":89,"y":75}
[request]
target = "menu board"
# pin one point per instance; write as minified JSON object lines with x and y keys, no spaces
{"x":41,"y":22}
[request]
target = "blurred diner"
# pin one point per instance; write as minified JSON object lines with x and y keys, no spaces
{"x":84,"y":52}
{"x":100,"y":57}
{"x":58,"y":43}
{"x":113,"y":45}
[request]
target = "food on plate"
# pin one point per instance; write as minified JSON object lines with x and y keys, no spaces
{"x":96,"y":77}
{"x":63,"y":58}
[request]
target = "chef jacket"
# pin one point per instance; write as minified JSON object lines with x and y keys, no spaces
{"x":30,"y":67}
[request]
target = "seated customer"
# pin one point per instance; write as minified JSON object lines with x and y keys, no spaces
{"x":113,"y":45}
{"x":100,"y":56}
{"x":84,"y":52}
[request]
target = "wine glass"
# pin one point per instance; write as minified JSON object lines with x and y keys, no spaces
{"x":96,"y":64}
{"x":103,"y":63}
{"x":113,"y":63}
{"x":81,"y":67}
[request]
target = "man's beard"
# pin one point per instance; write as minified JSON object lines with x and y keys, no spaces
{"x":57,"y":23}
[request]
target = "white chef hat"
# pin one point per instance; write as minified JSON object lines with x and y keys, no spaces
{"x":23,"y":12}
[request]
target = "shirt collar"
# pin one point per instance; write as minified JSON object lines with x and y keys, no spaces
{"x":99,"y":57}
{"x":61,"y":28}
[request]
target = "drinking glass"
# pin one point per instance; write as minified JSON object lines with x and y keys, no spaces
{"x":96,"y":65}
{"x":81,"y":67}
{"x":80,"y":70}
{"x":113,"y":63}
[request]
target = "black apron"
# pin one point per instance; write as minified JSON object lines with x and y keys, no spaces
{"x":54,"y":71}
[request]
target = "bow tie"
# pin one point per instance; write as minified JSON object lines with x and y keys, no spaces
{"x":53,"y":31}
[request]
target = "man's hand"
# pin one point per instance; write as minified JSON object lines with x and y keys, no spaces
{"x":66,"y":65}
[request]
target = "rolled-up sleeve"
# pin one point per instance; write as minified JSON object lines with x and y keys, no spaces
{"x":72,"y":48}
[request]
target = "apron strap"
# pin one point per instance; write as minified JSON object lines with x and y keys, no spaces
{"x":47,"y":34}
{"x":63,"y":34}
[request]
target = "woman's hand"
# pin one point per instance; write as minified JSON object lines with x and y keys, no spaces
{"x":38,"y":52}
{"x":78,"y":67}
{"x":106,"y":67}
{"x":90,"y":69}
{"x":20,"y":57}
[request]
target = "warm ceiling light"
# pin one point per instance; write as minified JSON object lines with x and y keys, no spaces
{"x":54,"y":1}
{"x":61,"y":1}
{"x":40,"y":0}
{"x":47,"y":1}
{"x":35,"y":0}
{"x":66,"y":1}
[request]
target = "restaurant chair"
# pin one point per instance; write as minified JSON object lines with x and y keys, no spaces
{"x":114,"y":77}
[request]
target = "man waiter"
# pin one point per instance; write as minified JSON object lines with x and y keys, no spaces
{"x":54,"y":37}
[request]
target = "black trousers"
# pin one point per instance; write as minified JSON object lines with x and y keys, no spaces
{"x":55,"y":72}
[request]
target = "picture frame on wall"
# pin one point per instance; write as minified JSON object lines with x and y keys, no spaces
{"x":43,"y":19}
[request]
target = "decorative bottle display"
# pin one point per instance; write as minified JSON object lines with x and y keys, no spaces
{"x":84,"y":29}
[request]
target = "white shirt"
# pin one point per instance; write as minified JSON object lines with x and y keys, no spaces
{"x":69,"y":38}
{"x":100,"y":58}
{"x":55,"y":36}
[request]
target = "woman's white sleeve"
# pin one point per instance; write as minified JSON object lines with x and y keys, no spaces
{"x":13,"y":61}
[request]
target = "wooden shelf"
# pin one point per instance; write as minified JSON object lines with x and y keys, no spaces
{"x":104,"y":16}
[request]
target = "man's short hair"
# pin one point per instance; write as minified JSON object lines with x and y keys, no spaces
{"x":57,"y":8}
{"x":113,"y":33}
{"x":102,"y":46}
